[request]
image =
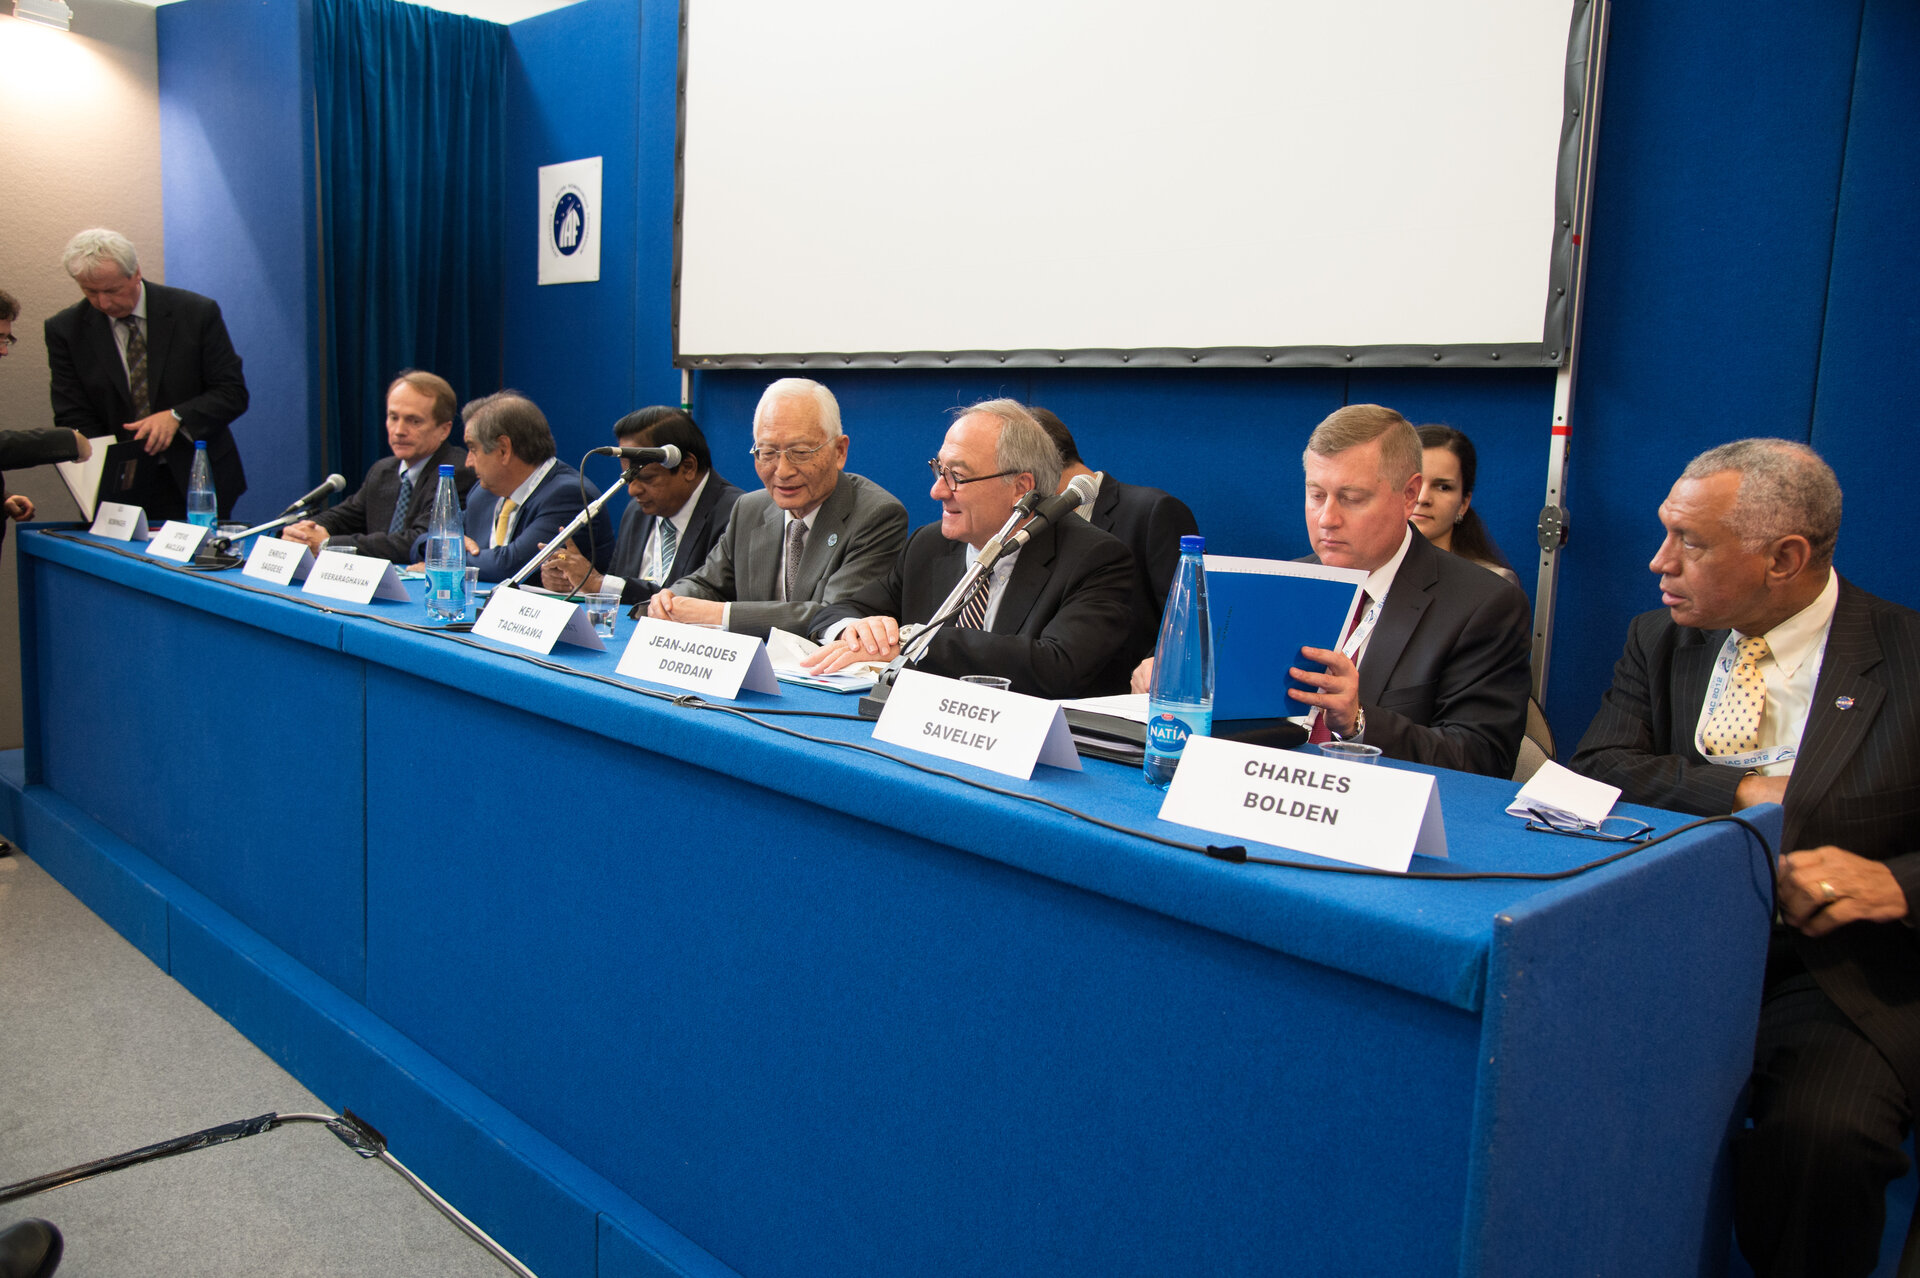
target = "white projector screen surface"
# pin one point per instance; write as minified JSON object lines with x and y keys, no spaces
{"x":1065,"y":175}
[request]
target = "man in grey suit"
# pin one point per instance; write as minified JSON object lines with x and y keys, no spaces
{"x":395,"y":505}
{"x":812,"y":537}
{"x":1767,"y":678}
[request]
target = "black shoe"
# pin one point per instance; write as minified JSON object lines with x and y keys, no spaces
{"x":30,"y":1249}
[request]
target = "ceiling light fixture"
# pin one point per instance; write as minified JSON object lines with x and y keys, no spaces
{"x":46,"y":13}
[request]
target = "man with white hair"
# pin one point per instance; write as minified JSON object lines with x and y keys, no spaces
{"x":1052,"y":618}
{"x":1766,"y":677}
{"x":153,"y":367}
{"x":813,"y":536}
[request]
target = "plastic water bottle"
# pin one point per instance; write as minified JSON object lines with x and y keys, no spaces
{"x":446,"y":554}
{"x":1180,"y":699}
{"x":201,"y":507}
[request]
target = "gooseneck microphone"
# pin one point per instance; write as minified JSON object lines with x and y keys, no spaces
{"x":1056,"y":508}
{"x":331,"y":484}
{"x":667,"y":455}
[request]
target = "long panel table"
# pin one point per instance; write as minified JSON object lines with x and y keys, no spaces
{"x":654,"y":988}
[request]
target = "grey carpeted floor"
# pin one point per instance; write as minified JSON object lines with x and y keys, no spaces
{"x":101,"y":1052}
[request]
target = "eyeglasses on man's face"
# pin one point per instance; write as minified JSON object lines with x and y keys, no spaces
{"x":797,"y":456}
{"x":946,"y":475}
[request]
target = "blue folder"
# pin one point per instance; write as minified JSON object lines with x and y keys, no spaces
{"x":1263,"y":612}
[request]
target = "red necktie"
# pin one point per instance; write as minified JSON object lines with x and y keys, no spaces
{"x":1321,"y":732}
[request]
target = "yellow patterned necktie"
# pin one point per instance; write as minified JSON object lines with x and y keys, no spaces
{"x":1734,"y":725}
{"x":501,"y":518}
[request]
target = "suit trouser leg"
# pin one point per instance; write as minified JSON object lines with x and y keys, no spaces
{"x":1829,"y":1115}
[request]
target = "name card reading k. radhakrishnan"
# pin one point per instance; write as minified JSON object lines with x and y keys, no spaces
{"x":713,"y":663}
{"x":1354,"y":812}
{"x":122,"y":523}
{"x":177,"y":540}
{"x":536,"y":622}
{"x":1005,"y":732}
{"x":279,"y":561}
{"x":353,"y":578}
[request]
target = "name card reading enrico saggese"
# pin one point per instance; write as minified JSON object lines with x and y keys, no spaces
{"x":279,"y":561}
{"x":1360,"y":813}
{"x":1003,"y":732}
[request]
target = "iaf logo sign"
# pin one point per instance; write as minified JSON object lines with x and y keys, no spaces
{"x":570,"y":222}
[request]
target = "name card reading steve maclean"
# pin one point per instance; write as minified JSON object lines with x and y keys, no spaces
{"x":1354,"y":812}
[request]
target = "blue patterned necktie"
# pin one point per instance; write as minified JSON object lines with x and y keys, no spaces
{"x":398,"y":522}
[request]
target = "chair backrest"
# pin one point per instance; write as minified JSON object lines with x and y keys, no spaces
{"x":1537,"y":746}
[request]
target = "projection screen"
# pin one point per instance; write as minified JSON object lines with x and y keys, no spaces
{"x":870,"y":183}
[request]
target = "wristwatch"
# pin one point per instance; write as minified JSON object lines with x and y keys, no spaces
{"x":1359,"y":726}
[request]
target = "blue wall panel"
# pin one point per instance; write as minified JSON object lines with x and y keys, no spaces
{"x":1718,"y":172}
{"x":573,"y":92}
{"x":1869,"y":395}
{"x":236,"y":137}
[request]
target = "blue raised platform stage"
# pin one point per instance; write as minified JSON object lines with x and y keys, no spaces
{"x":651,"y":989}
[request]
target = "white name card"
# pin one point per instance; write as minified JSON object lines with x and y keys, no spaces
{"x":354,"y":578}
{"x":536,"y":622}
{"x":714,"y":663}
{"x":177,"y":541}
{"x":122,"y":523}
{"x":274,"y":560}
{"x":1005,"y":732}
{"x":1355,"y":812}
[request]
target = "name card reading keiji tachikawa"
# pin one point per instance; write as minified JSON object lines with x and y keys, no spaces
{"x":120,"y":522}
{"x":536,"y":622}
{"x":353,"y":578}
{"x":279,"y":561}
{"x":177,"y":540}
{"x":1004,"y":732}
{"x":1354,"y":812}
{"x":714,"y":663}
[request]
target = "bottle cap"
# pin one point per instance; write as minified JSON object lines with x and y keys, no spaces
{"x":446,"y":470}
{"x":199,"y":445}
{"x":1192,"y":541}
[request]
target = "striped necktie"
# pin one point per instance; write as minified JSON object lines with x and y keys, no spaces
{"x":1320,"y":733}
{"x":973,"y":613}
{"x":669,"y":547}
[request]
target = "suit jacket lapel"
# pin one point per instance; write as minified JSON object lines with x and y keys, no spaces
{"x":1832,"y":736}
{"x":159,"y":342}
{"x":823,"y":539}
{"x":1692,"y":671}
{"x":1406,"y":602}
{"x":97,"y":333}
{"x":696,"y":527}
{"x":1030,"y":573}
{"x":765,"y":576}
{"x":1106,"y":503}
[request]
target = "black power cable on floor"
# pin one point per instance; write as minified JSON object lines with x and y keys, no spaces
{"x":355,"y":1132}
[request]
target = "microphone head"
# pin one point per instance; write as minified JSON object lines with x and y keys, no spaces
{"x":336,"y":483}
{"x":1086,"y":486}
{"x":670,"y":457}
{"x":1026,"y":504}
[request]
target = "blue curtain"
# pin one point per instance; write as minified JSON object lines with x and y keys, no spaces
{"x":410,"y":118}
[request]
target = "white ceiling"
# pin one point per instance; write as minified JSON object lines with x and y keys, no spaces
{"x":491,"y":10}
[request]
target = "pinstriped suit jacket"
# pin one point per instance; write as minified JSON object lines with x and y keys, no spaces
{"x":1855,"y":783}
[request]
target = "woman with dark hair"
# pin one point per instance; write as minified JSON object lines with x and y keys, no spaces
{"x":1445,"y":510}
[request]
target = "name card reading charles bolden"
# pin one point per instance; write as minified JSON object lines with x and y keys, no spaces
{"x":1003,"y":732}
{"x":715,"y":663}
{"x":1354,"y":812}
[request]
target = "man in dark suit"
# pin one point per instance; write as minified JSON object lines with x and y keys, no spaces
{"x":22,"y":448}
{"x":812,"y":537}
{"x":1150,"y":522}
{"x":392,"y":509}
{"x":153,"y":367}
{"x":1434,"y":669}
{"x":1768,"y":679}
{"x":529,"y":494}
{"x":1053,"y":618}
{"x":671,"y":525}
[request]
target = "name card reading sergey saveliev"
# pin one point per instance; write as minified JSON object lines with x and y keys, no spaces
{"x":1354,"y":812}
{"x":713,"y":663}
{"x":1004,"y":732}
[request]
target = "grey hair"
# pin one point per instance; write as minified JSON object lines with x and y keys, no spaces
{"x":1401,"y":454}
{"x":1023,"y":447}
{"x":98,"y":247}
{"x":825,"y":407}
{"x":1785,"y":489}
{"x":511,"y":414}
